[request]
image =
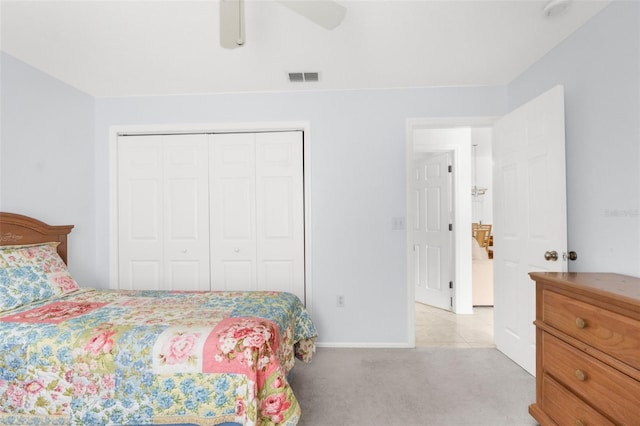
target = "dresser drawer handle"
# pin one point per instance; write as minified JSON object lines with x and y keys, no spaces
{"x":579,"y":423}
{"x":580,"y":323}
{"x":580,"y":375}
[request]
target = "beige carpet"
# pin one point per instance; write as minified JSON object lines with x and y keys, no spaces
{"x":407,"y":387}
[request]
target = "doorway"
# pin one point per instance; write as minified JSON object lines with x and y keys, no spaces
{"x":529,"y":172}
{"x":418,"y":133}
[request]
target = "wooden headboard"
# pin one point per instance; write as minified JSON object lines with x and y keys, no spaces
{"x":16,"y":229}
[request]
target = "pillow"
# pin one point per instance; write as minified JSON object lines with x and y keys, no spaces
{"x":477,"y":252}
{"x":32,"y":273}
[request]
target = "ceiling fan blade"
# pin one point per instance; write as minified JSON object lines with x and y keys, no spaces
{"x":326,"y":13}
{"x":232,"y":23}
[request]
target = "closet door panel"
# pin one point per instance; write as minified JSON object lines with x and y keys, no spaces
{"x":140,"y":214}
{"x":163,"y":217}
{"x":280,"y":212}
{"x":186,"y":186}
{"x":200,"y":212}
{"x":142,"y":275}
{"x":232,"y":211}
{"x":237,"y":273}
{"x":278,"y":199}
{"x":237,"y":208}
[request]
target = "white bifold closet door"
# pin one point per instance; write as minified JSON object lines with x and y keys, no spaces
{"x":257,"y":211}
{"x":163,"y":212}
{"x":211,"y":211}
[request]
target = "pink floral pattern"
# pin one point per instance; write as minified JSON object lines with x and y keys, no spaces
{"x":101,"y":342}
{"x":274,"y":406}
{"x":53,"y":313}
{"x":180,"y":349}
{"x":130,"y":358}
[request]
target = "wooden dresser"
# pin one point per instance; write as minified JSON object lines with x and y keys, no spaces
{"x":587,"y":349}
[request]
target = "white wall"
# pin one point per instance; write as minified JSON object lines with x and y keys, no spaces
{"x":482,"y":207}
{"x":599,"y":66}
{"x":46,"y":161}
{"x":358,"y":142}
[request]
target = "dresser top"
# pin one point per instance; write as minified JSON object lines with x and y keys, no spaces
{"x":617,"y":286}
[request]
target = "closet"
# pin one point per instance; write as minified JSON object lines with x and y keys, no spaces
{"x":221,"y":211}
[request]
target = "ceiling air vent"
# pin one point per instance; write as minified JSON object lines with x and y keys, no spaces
{"x":296,"y":77}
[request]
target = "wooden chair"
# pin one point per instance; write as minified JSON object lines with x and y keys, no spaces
{"x":482,"y":233}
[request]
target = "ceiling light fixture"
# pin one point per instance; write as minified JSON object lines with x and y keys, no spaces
{"x":556,"y":7}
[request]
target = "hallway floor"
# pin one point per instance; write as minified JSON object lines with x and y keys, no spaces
{"x":437,"y":327}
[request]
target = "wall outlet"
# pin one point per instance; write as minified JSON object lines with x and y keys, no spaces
{"x":398,"y":223}
{"x":340,"y":301}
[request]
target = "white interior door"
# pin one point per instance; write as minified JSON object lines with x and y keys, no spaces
{"x":257,"y":212}
{"x":529,"y":216}
{"x":430,"y":232}
{"x":280,"y":212}
{"x":233,"y":211}
{"x":163,"y":227}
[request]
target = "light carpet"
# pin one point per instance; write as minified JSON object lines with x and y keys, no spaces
{"x":406,"y":387}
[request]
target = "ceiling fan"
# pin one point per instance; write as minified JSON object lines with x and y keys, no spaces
{"x":326,"y":13}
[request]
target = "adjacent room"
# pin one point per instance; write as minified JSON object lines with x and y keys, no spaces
{"x":395,"y":168}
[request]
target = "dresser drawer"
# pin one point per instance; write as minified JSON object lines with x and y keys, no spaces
{"x":604,"y":388}
{"x":612,"y":333}
{"x":567,"y":409}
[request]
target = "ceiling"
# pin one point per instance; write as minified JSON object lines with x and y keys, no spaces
{"x":160,"y":47}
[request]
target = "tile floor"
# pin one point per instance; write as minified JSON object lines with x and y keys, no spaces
{"x":437,"y":327}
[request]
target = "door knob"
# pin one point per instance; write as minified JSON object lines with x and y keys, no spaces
{"x":551,"y":255}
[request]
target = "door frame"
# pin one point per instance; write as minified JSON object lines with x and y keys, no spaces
{"x":248,"y":127}
{"x":462,"y":300}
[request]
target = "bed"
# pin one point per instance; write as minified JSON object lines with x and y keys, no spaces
{"x":71,"y":354}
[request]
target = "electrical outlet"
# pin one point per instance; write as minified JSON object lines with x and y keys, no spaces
{"x":340,"y":301}
{"x":398,"y":223}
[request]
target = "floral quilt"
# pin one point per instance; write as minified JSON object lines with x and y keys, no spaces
{"x":103,"y":357}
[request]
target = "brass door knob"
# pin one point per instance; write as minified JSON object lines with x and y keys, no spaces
{"x":551,"y":255}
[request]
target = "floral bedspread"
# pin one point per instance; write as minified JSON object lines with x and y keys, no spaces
{"x":98,"y":357}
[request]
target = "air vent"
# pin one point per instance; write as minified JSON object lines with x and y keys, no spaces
{"x":311,"y":76}
{"x":308,"y":77}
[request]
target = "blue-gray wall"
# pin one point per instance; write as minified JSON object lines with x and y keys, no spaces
{"x":54,"y":165}
{"x":358,"y":143}
{"x":46,"y":157}
{"x":599,"y":67}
